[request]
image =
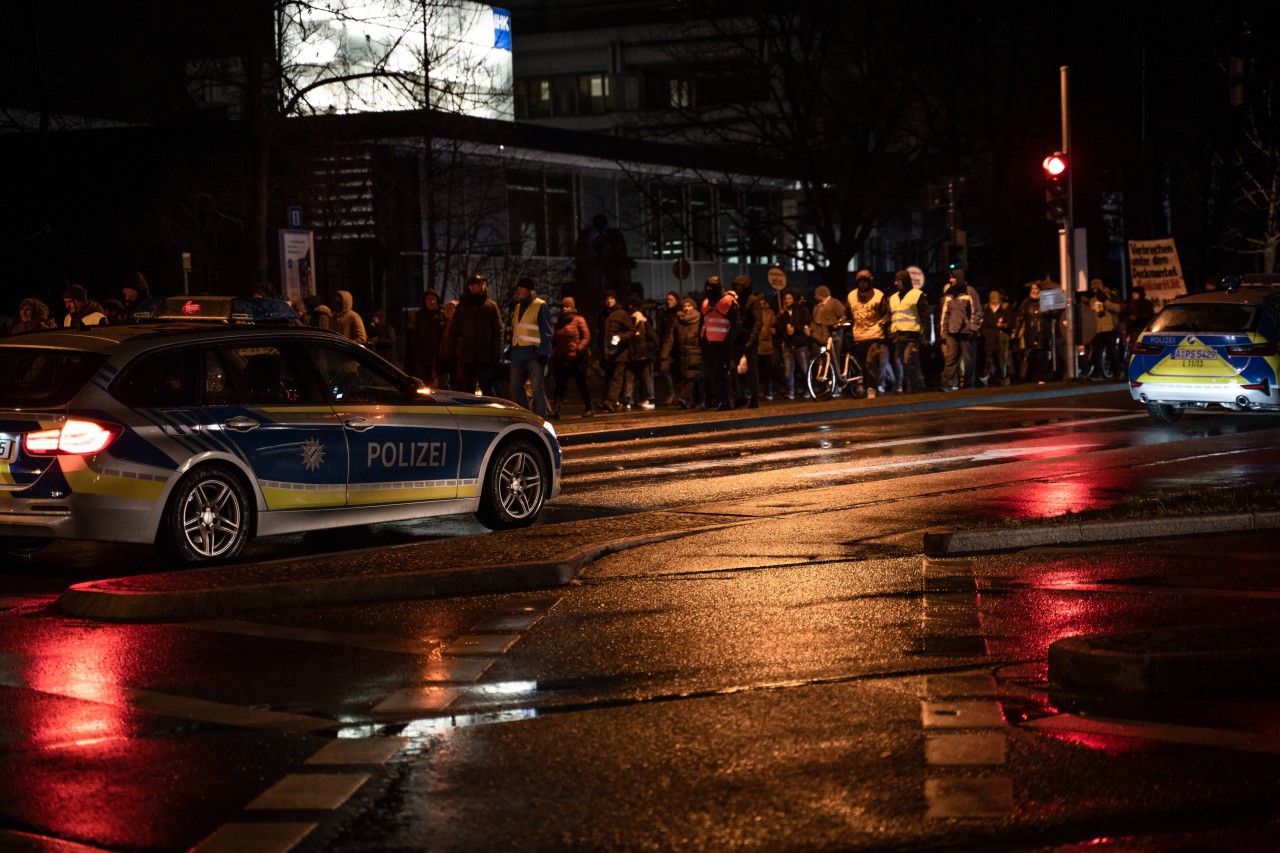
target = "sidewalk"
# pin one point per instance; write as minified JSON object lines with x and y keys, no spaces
{"x":544,"y":558}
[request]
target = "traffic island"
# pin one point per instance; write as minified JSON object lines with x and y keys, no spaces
{"x":1195,"y":662}
{"x":543,"y":557}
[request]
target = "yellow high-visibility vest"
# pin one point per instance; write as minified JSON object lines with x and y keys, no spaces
{"x":524,"y":330}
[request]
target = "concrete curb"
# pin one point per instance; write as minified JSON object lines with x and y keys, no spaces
{"x":673,"y":424}
{"x":1221,"y":660}
{"x":961,"y":542}
{"x":92,"y":600}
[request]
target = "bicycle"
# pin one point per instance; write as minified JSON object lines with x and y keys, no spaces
{"x":823,"y":376}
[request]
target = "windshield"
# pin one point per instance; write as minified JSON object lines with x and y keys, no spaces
{"x":36,"y":378}
{"x":1204,"y":317}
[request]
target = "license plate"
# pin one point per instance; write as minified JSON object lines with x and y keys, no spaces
{"x":1195,"y":354}
{"x":7,"y":447}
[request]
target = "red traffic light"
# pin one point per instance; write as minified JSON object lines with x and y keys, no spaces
{"x":1055,"y":164}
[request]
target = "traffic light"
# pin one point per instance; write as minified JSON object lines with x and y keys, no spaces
{"x":1056,"y":180}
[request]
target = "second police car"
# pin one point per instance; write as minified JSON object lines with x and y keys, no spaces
{"x":1220,"y":349}
{"x":197,"y":437}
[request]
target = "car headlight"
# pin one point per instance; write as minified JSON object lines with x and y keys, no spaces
{"x":549,"y":428}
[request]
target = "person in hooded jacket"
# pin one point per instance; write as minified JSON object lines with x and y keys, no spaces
{"x":961,"y":323}
{"x":909,"y":322}
{"x":720,"y":323}
{"x":997,"y":325}
{"x":133,"y":290}
{"x":318,"y":314}
{"x":642,"y":351}
{"x":346,"y":321}
{"x":475,"y":338}
{"x":428,"y":329}
{"x":669,"y":314}
{"x":617,"y":329}
{"x":81,"y":310}
{"x":748,"y":342}
{"x":32,"y":315}
{"x":682,"y":355}
{"x":570,"y":344}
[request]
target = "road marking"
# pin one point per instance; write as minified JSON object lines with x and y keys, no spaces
{"x":416,"y":699}
{"x":365,"y":750}
{"x":1169,"y":733}
{"x":1148,"y":589}
{"x":310,"y":792}
{"x":480,"y":644}
{"x":182,"y":707}
{"x":953,"y":685}
{"x":277,"y":837}
{"x":456,"y":670}
{"x":962,"y":714}
{"x":313,"y":635}
{"x":514,"y":620}
{"x":969,"y":798}
{"x":965,"y":749}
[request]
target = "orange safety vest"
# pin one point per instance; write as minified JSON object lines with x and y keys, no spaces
{"x":715,"y":319}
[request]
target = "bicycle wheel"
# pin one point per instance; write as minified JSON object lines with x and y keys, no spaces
{"x":821,"y":378}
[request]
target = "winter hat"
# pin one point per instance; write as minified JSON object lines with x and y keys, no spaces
{"x":634,"y":304}
{"x":75,"y":293}
{"x":822,"y":291}
{"x":567,"y":304}
{"x":864,"y":274}
{"x":476,"y":279}
{"x":688,"y":300}
{"x":526,"y":283}
{"x":742,"y":282}
{"x":609,"y":294}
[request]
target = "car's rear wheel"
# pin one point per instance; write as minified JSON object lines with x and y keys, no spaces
{"x":515,"y":486}
{"x":23,"y":547}
{"x":1163,"y":413}
{"x":208,"y":518}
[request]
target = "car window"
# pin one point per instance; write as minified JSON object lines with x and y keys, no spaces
{"x":352,"y":376}
{"x":32,"y":377}
{"x":1204,"y":317}
{"x":263,"y":375}
{"x":161,"y":380}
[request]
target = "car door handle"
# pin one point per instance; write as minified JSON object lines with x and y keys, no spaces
{"x":241,"y":424}
{"x":358,"y":424}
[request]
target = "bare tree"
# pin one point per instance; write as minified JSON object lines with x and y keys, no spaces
{"x":818,"y":94}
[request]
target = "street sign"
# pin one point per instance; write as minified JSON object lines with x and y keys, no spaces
{"x":1052,"y":300}
{"x":777,"y":279}
{"x":681,"y":268}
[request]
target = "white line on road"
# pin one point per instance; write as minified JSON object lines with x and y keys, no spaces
{"x":1193,"y":735}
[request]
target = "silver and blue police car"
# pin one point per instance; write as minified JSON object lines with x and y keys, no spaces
{"x":199,"y":436}
{"x":1220,"y":349}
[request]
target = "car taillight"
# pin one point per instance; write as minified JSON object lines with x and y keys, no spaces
{"x":74,"y":438}
{"x":1267,"y":348}
{"x":1141,"y":348}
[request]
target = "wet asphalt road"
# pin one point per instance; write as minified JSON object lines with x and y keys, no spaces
{"x":806,"y":681}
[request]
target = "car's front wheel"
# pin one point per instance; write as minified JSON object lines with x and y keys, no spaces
{"x":208,"y":518}
{"x":1163,"y":413}
{"x":515,"y":486}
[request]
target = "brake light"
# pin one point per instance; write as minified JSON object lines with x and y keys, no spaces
{"x":74,"y":438}
{"x":1141,"y":348}
{"x":1268,"y":348}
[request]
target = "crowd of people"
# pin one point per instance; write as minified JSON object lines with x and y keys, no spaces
{"x":726,"y":347}
{"x":730,"y":346}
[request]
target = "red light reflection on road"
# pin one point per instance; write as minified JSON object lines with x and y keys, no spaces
{"x":81,"y":665}
{"x":1047,"y":499}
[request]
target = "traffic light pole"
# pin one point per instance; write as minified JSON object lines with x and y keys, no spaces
{"x":1065,"y":261}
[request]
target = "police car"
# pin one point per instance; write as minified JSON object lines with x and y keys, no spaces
{"x":1220,"y":348}
{"x":197,"y":437}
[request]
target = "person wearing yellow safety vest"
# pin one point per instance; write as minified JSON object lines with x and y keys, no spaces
{"x":908,"y":320}
{"x":720,"y":320}
{"x":869,"y":313}
{"x":531,"y":336}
